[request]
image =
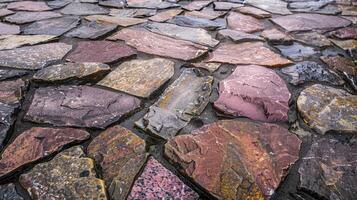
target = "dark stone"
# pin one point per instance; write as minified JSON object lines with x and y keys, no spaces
{"x":8,"y":192}
{"x":11,"y":92}
{"x":84,"y":9}
{"x":196,"y":22}
{"x":11,"y":73}
{"x":159,"y":4}
{"x":29,"y":6}
{"x":55,"y":26}
{"x":92,"y":30}
{"x":7,"y":119}
{"x":26,"y":17}
{"x":113,"y":3}
{"x":296,"y":51}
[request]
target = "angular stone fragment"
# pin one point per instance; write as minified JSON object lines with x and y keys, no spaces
{"x":206,"y":13}
{"x":345,"y":33}
{"x":140,"y":77}
{"x":34,"y":57}
{"x":121,"y":155}
{"x":157,"y":182}
{"x":23,"y":17}
{"x":275,"y":36}
{"x":100,"y":51}
{"x":307,"y":22}
{"x":37,"y":143}
{"x":296,"y":51}
{"x":121,"y":21}
{"x":14,"y":41}
{"x":84,"y":9}
{"x":29,"y":6}
{"x":7,"y":119}
{"x":195,"y":35}
{"x":247,"y":53}
{"x":159,"y":4}
{"x":347,"y":45}
{"x":181,"y":101}
{"x":255,"y":92}
{"x":69,"y":175}
{"x":152,"y":43}
{"x":165,"y":15}
{"x":11,"y":92}
{"x":11,"y":73}
{"x":56,"y":4}
{"x":55,"y":26}
{"x":8,"y":192}
{"x":195,"y":22}
{"x":7,"y":29}
{"x":245,"y":23}
{"x":325,"y":109}
{"x":313,"y":38}
{"x":238,"y":36}
{"x":92,"y":30}
{"x":273,"y":6}
{"x":112,"y":3}
{"x":328,"y":169}
{"x":255,"y":12}
{"x":196,"y":5}
{"x":140,"y":13}
{"x":211,"y":67}
{"x":234,"y":159}
{"x":225,"y":5}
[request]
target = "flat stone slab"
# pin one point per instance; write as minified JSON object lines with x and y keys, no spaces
{"x":151,"y":43}
{"x":140,"y":77}
{"x":84,"y":9}
{"x":195,"y":22}
{"x":247,"y":53}
{"x":246,"y":160}
{"x":11,"y":73}
{"x":69,"y":175}
{"x":255,"y":12}
{"x":7,"y":119}
{"x":325,"y":108}
{"x":139,"y":13}
{"x":5,"y":12}
{"x":345,"y":33}
{"x":244,"y":23}
{"x":92,"y":30}
{"x":9,"y":192}
{"x":23,"y":17}
{"x":274,"y":36}
{"x":165,"y":15}
{"x":238,"y":36}
{"x":55,"y":26}
{"x":121,"y":21}
{"x":272,"y":6}
{"x":206,"y":13}
{"x":121,"y":155}
{"x":313,"y":38}
{"x":296,"y":51}
{"x":347,"y":45}
{"x":151,"y":4}
{"x":79,"y":106}
{"x":100,"y":51}
{"x":14,"y":41}
{"x":111,"y":3}
{"x":211,"y":67}
{"x":196,"y":5}
{"x":35,"y":144}
{"x":34,"y":57}
{"x":181,"y":101}
{"x":157,"y":182}
{"x":8,"y":29}
{"x":225,"y":6}
{"x":11,"y":92}
{"x":28,"y":6}
{"x":255,"y":92}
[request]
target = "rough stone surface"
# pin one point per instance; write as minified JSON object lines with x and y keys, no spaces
{"x":140,"y":77}
{"x":159,"y":4}
{"x":255,"y":12}
{"x":238,"y":36}
{"x":273,"y":6}
{"x":8,"y":192}
{"x":23,"y":17}
{"x":84,"y":9}
{"x":79,"y":106}
{"x":7,"y":119}
{"x":244,"y":23}
{"x":345,"y":33}
{"x":69,"y":175}
{"x":37,"y":143}
{"x":247,"y":160}
{"x":296,"y":51}
{"x":55,"y":26}
{"x":313,"y":38}
{"x":196,"y":22}
{"x":11,"y":73}
{"x":196,"y":5}
{"x":121,"y":21}
{"x":326,"y":108}
{"x":275,"y":36}
{"x":7,"y":29}
{"x":211,"y":67}
{"x":139,"y":13}
{"x":347,"y":45}
{"x":165,"y":15}
{"x":14,"y":41}
{"x":183,"y":99}
{"x":206,"y":13}
{"x":226,"y":5}
{"x":92,"y":30}
{"x":28,"y":6}
{"x":121,"y":155}
{"x":11,"y":92}
{"x":5,"y":12}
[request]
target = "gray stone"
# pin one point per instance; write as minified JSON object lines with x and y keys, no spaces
{"x":296,"y":51}
{"x":11,"y":73}
{"x":92,"y":30}
{"x":195,"y":22}
{"x":84,"y":9}
{"x":55,"y":26}
{"x":273,"y":6}
{"x":238,"y":36}
{"x":8,"y":192}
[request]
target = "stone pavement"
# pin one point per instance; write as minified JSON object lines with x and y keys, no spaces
{"x":170,"y":99}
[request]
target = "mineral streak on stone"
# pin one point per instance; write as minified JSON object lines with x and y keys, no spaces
{"x":79,"y":106}
{"x":152,"y":4}
{"x":196,"y":5}
{"x":8,"y":192}
{"x":328,"y":169}
{"x":273,"y":6}
{"x":37,"y":143}
{"x":140,"y":77}
{"x":165,"y":15}
{"x":7,"y":29}
{"x":345,"y":33}
{"x":67,"y":71}
{"x":55,"y":26}
{"x":255,"y":12}
{"x":246,"y":160}
{"x":325,"y":109}
{"x":100,"y":51}
{"x":313,"y":38}
{"x":11,"y":73}
{"x":151,"y":43}
{"x":121,"y":21}
{"x":307,"y":22}
{"x":121,"y":155}
{"x":247,"y":53}
{"x":7,"y":119}
{"x":28,"y":6}
{"x":23,"y":17}
{"x":11,"y":92}
{"x":255,"y":92}
{"x":296,"y":51}
{"x":14,"y":41}
{"x":69,"y":175}
{"x":34,"y":57}
{"x":181,"y":101}
{"x":245,"y":23}
{"x":92,"y":30}
{"x":275,"y":36}
{"x":157,"y":182}
{"x":84,"y":9}
{"x":196,"y":22}
{"x":238,"y":36}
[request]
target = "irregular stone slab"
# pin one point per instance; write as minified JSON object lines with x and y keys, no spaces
{"x":325,"y":109}
{"x":84,"y":9}
{"x":152,"y":43}
{"x":100,"y":51}
{"x":23,"y":17}
{"x":247,"y":53}
{"x":181,"y":101}
{"x":11,"y":73}
{"x":69,"y":175}
{"x":345,"y":33}
{"x":211,"y":67}
{"x":275,"y":36}
{"x":272,"y":6}
{"x":152,"y":4}
{"x":238,"y":36}
{"x":55,"y":26}
{"x":196,"y":5}
{"x":309,"y":6}
{"x":7,"y":29}
{"x":140,"y":13}
{"x":195,"y":22}
{"x":28,"y":6}
{"x":307,"y":22}
{"x":296,"y":51}
{"x":14,"y":41}
{"x":121,"y":21}
{"x":225,"y":5}
{"x":348,"y":10}
{"x":121,"y":155}
{"x":157,"y":182}
{"x":308,"y":71}
{"x":165,"y":15}
{"x":313,"y":38}
{"x":327,"y":169}
{"x":7,"y":119}
{"x":37,"y":143}
{"x":8,"y":192}
{"x":56,"y":4}
{"x":140,"y":77}
{"x":79,"y":106}
{"x":113,"y":3}
{"x":244,"y":23}
{"x":255,"y":92}
{"x":255,"y":12}
{"x":34,"y":57}
{"x":5,"y":12}
{"x":92,"y":30}
{"x":195,"y":35}
{"x":67,"y":71}
{"x":11,"y":92}
{"x":347,"y":45}
{"x":246,"y":160}
{"x":206,"y":13}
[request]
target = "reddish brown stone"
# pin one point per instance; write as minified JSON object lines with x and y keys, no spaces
{"x":276,"y":37}
{"x":100,"y":51}
{"x":345,"y":33}
{"x":37,"y":143}
{"x":255,"y":12}
{"x":28,"y":6}
{"x":341,"y":64}
{"x":8,"y":29}
{"x":11,"y":92}
{"x":234,"y":159}
{"x":245,"y":23}
{"x":165,"y":15}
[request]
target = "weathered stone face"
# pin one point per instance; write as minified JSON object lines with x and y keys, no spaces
{"x":246,"y":160}
{"x":112,"y":3}
{"x":313,"y":38}
{"x":11,"y":73}
{"x":196,"y":5}
{"x":183,"y":99}
{"x":37,"y":143}
{"x":5,"y":12}
{"x":195,"y":22}
{"x":121,"y":155}
{"x":92,"y":30}
{"x":211,"y":67}
{"x":345,"y":33}
{"x":273,"y":6}
{"x":121,"y":21}
{"x":347,"y":45}
{"x":159,"y":4}
{"x":325,"y":109}
{"x":225,"y":5}
{"x":7,"y":119}
{"x":206,"y":13}
{"x":156,"y":182}
{"x":14,"y":41}
{"x":9,"y":192}
{"x":79,"y":106}
{"x":255,"y":12}
{"x":296,"y":51}
{"x":139,"y":13}
{"x":275,"y":36}
{"x":23,"y":17}
{"x":7,"y":29}
{"x":328,"y":169}
{"x":140,"y":77}
{"x":55,"y":26}
{"x":238,"y":36}
{"x":165,"y":15}
{"x":69,"y":175}
{"x":84,"y":9}
{"x":11,"y":92}
{"x":254,"y":92}
{"x":34,"y":57}
{"x":244,"y":23}
{"x":28,"y":6}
